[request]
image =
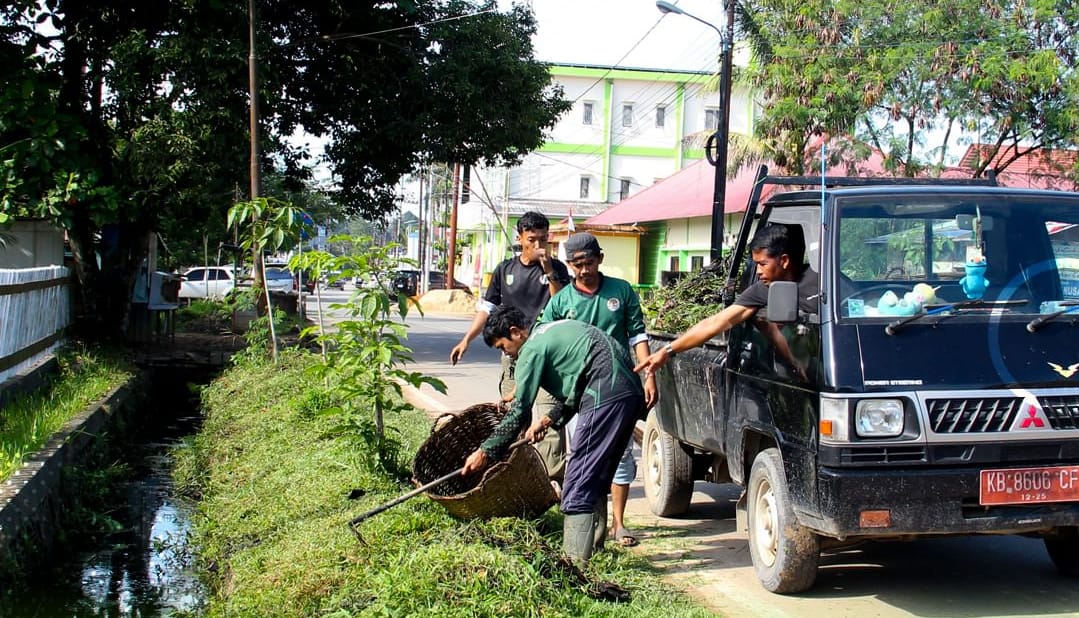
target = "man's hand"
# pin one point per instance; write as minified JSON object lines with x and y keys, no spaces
{"x":651,"y":393}
{"x":476,"y":461}
{"x":538,"y":429}
{"x":544,"y":261}
{"x":651,"y":365}
{"x":458,"y":351}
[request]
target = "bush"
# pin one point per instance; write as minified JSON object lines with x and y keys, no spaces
{"x":278,"y":486}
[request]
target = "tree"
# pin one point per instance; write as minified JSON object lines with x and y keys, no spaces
{"x":906,"y":78}
{"x":118,"y":118}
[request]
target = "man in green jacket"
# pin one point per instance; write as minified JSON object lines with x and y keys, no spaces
{"x":592,"y":376}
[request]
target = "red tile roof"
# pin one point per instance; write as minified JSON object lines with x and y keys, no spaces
{"x":688,"y":193}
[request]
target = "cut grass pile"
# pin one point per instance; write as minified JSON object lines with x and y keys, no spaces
{"x":28,"y":421}
{"x":272,"y":526}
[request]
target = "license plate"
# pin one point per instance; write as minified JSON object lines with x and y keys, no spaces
{"x":1030,"y":485}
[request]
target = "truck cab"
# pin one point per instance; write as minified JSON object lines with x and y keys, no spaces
{"x":933,"y":388}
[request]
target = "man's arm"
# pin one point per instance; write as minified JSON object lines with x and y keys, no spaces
{"x":698,"y":334}
{"x":474,"y":330}
{"x":651,"y":393}
{"x":492,"y":298}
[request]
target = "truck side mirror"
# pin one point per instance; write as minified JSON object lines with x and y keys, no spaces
{"x":782,"y":301}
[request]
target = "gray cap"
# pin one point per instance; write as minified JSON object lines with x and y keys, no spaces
{"x":582,"y":245}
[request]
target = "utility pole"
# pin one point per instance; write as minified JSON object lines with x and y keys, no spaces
{"x":716,"y":147}
{"x":451,"y":242}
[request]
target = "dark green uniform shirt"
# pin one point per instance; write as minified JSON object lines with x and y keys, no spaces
{"x":577,"y":363}
{"x":614,"y":308}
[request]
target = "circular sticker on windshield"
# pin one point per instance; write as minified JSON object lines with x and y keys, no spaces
{"x":613,"y":304}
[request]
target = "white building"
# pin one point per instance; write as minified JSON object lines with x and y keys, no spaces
{"x":627,"y":129}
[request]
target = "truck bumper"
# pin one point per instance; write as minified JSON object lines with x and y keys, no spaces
{"x":921,"y":502}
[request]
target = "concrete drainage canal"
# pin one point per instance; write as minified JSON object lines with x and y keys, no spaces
{"x":130,"y":557}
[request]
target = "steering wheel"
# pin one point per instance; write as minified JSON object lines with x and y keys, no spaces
{"x":897,"y":273}
{"x":879,"y":286}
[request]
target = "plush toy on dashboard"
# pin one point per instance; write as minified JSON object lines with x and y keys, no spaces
{"x":890,"y":304}
{"x":925,"y":294}
{"x":975,"y":283}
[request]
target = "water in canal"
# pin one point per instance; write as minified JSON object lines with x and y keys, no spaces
{"x":146,"y":569}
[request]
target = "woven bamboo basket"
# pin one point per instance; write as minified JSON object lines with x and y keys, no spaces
{"x":515,"y":487}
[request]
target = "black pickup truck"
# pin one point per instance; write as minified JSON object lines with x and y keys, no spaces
{"x":934,"y":391}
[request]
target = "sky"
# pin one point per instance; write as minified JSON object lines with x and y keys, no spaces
{"x":627,"y":33}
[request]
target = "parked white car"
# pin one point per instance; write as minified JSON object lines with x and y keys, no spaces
{"x":212,"y":282}
{"x":280,"y":280}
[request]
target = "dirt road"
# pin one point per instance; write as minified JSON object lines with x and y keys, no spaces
{"x":986,"y":576}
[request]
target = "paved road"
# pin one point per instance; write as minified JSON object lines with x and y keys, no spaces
{"x":704,"y":554}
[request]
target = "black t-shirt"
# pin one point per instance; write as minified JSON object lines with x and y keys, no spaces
{"x":756,"y":295}
{"x":525,"y":287}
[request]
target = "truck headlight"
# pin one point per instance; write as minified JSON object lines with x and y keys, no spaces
{"x":879,"y":418}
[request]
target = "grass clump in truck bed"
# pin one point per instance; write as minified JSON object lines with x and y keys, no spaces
{"x":693,"y":297}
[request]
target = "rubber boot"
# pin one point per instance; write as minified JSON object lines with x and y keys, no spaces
{"x":577,"y":538}
{"x":599,"y":524}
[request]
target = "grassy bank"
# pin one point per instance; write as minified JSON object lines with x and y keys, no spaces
{"x":28,"y":421}
{"x":275,"y":480}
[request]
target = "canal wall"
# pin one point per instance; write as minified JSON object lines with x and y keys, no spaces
{"x":30,"y":497}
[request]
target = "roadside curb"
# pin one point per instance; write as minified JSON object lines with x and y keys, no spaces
{"x":423,"y":401}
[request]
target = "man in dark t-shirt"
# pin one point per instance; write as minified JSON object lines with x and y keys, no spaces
{"x":778,"y":254}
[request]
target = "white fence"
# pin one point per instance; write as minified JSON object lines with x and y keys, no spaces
{"x":35,"y":308}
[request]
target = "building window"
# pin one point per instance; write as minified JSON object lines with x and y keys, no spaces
{"x":623,"y":192}
{"x":674,"y":263}
{"x":584,"y":187}
{"x":586,"y":112}
{"x":661,"y":116}
{"x":696,"y":262}
{"x":711,"y":118}
{"x":627,"y":115}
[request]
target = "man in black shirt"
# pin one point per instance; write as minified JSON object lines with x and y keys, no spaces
{"x":778,"y":252}
{"x":527,"y":282}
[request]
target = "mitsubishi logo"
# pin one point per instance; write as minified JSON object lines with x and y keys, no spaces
{"x":1030,"y":417}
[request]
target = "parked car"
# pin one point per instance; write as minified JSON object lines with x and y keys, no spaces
{"x":279,"y":280}
{"x":282,"y":280}
{"x":212,"y":282}
{"x":407,"y":282}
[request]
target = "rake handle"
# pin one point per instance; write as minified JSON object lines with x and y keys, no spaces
{"x":419,"y":490}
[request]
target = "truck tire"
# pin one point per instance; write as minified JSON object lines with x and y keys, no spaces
{"x":668,"y":471}
{"x":785,"y":554}
{"x":1063,"y":548}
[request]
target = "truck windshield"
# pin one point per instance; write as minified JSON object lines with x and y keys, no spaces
{"x":903,"y":255}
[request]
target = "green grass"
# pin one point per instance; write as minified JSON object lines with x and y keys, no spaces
{"x":27,"y":421}
{"x":272,"y":535}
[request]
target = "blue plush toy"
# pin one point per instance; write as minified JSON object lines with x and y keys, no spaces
{"x":890,"y":304}
{"x":975,"y":283}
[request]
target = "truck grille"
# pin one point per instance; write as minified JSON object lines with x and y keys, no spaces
{"x":982,"y":415}
{"x":1062,"y":412}
{"x":883,"y":455}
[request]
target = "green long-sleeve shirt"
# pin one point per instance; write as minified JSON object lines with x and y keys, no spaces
{"x":579,"y":364}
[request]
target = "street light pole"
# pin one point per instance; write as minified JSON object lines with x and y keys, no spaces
{"x":716,"y":147}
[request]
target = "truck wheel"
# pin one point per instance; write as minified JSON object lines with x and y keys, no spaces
{"x":1063,"y":548}
{"x":668,"y":471}
{"x":784,"y":553}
